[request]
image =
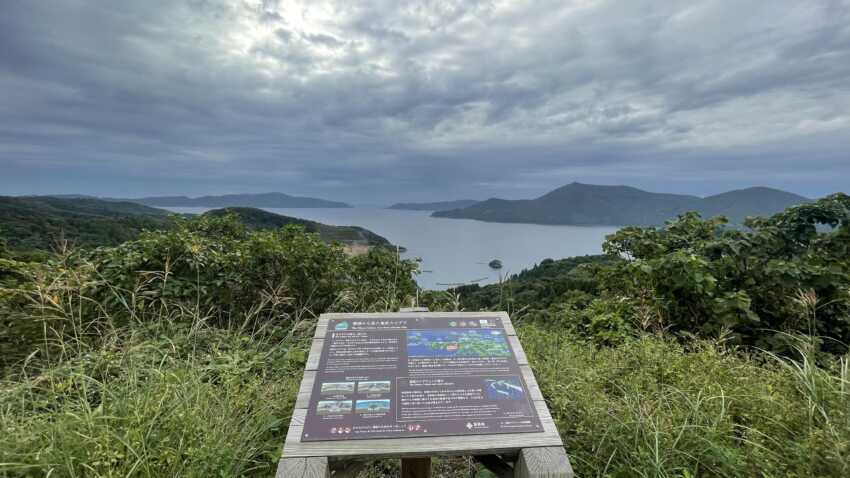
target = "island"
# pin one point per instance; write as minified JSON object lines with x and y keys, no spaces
{"x":593,"y":205}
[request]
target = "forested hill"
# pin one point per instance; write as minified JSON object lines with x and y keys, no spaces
{"x":273,"y":200}
{"x":586,"y":204}
{"x":43,"y":222}
{"x":255,"y":219}
{"x":434,"y":206}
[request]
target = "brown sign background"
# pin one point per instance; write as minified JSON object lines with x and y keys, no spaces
{"x":408,"y":377}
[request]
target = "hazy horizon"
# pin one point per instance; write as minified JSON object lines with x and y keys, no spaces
{"x":355,"y":203}
{"x":382,"y":101}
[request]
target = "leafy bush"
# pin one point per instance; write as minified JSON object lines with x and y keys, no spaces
{"x":211,"y":266}
{"x":696,"y":277}
{"x":704,"y":279}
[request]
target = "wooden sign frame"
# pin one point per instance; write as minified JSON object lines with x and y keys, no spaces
{"x":510,"y":453}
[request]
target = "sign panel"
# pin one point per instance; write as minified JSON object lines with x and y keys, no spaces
{"x":414,"y":377}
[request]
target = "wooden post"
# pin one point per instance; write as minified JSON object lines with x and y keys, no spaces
{"x":416,"y":467}
{"x":313,"y":467}
{"x":543,"y":462}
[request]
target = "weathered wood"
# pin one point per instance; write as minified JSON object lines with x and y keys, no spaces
{"x":315,"y":354}
{"x":416,"y":467}
{"x":520,"y":353}
{"x":408,"y":310}
{"x":439,"y":315}
{"x":496,"y":465}
{"x":548,"y":462}
{"x":314,"y":467}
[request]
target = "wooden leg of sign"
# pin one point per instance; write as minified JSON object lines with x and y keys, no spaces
{"x":543,"y":462}
{"x":315,"y":467}
{"x":416,"y":467}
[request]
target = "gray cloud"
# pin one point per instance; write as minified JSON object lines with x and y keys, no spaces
{"x":386,"y":100}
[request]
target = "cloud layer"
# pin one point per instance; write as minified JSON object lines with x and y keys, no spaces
{"x":386,"y":100}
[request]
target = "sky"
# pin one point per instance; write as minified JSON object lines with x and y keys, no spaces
{"x":374,"y":102}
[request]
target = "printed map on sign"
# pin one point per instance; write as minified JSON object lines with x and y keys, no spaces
{"x":408,"y":377}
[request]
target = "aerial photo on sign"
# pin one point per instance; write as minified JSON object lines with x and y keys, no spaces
{"x":414,"y":377}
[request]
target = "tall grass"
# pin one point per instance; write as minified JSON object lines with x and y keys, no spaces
{"x":148,"y":390}
{"x":655,"y":408}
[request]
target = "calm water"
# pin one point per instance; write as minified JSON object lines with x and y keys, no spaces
{"x":458,"y":250}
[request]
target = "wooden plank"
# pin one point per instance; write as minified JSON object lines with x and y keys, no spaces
{"x":509,"y":328}
{"x":315,"y":354}
{"x":391,"y":315}
{"x":543,"y":462}
{"x":518,"y":351}
{"x":303,"y":398}
{"x":533,"y":389}
{"x":416,"y":467}
{"x":422,"y":446}
{"x":315,"y":467}
{"x":506,"y":320}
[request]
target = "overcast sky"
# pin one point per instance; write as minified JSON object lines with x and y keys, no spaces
{"x":374,"y":102}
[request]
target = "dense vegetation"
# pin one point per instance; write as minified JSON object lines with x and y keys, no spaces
{"x":692,"y":350}
{"x":697,"y":277}
{"x":587,"y":204}
{"x":256,"y":219}
{"x":43,"y":223}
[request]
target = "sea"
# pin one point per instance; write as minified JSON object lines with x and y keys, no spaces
{"x":458,"y":251}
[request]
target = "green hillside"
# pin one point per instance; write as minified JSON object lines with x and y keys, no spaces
{"x":586,"y":205}
{"x":757,"y":201}
{"x":41,"y":222}
{"x":257,"y":219}
{"x":269,"y":200}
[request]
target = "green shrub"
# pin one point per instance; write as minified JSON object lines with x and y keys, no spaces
{"x":704,"y":279}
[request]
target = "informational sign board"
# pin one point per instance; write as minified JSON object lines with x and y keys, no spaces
{"x":413,"y":377}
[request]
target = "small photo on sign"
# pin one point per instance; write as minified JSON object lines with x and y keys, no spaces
{"x":382,"y":386}
{"x":373,"y":406}
{"x":503,"y":389}
{"x":331,"y":388}
{"x":333,"y":407}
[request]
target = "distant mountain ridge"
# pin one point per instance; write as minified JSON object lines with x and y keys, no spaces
{"x":272,"y":200}
{"x":592,"y":205}
{"x":434,"y":206}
